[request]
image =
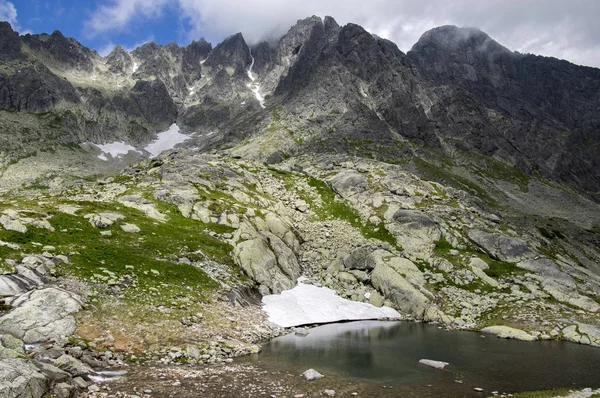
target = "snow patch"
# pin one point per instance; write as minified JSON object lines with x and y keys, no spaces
{"x":307,"y":304}
{"x":254,"y":86}
{"x":135,"y":67}
{"x":115,"y":149}
{"x":166,"y":140}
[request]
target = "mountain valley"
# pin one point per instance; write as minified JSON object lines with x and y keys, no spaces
{"x":151,"y":198}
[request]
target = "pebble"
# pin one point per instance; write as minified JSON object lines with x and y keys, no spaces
{"x":478,"y":389}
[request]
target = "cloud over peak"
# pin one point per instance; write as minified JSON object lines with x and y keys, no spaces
{"x":553,"y":27}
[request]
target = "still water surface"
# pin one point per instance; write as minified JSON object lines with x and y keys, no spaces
{"x":388,"y":352}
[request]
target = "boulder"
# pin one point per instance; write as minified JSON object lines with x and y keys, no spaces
{"x":348,"y":182}
{"x":74,"y":366}
{"x":42,"y":315}
{"x":12,"y":343}
{"x":260,"y":263}
{"x":570,"y":295}
{"x":414,"y":231}
{"x":506,"y":332}
{"x":312,"y":374}
{"x":20,"y":379}
{"x":286,"y":259}
{"x":346,"y":278}
{"x":131,"y":228}
{"x":11,"y":224}
{"x":433,"y":364}
{"x":63,"y":390}
{"x":103,"y":220}
{"x":51,"y":372}
{"x":360,"y":259}
{"x":408,"y":269}
{"x":8,"y":353}
{"x":398,"y":290}
{"x":582,"y":333}
{"x":484,"y":277}
{"x":283,"y":230}
{"x":500,"y":246}
{"x":479,"y":263}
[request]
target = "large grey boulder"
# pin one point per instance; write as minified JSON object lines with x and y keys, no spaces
{"x":348,"y":181}
{"x":42,"y":315}
{"x":73,"y":366}
{"x":506,"y":332}
{"x":500,"y":246}
{"x":414,"y":231}
{"x":268,"y":252}
{"x":257,"y":260}
{"x":398,"y":290}
{"x":20,"y":379}
{"x":360,"y":259}
{"x":12,"y":224}
{"x":281,"y":228}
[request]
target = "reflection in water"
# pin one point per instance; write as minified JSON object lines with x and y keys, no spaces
{"x":389,"y":352}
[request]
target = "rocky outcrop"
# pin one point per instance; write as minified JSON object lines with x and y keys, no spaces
{"x":416,"y":232}
{"x":268,"y":253}
{"x":501,"y":247}
{"x":397,"y":289}
{"x":154,"y":102}
{"x":505,"y":332}
{"x":19,"y":379}
{"x":44,"y":315}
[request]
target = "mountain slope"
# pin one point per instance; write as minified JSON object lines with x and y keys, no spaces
{"x":457,"y":183}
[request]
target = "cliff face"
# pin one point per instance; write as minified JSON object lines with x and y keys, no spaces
{"x":457,"y":96}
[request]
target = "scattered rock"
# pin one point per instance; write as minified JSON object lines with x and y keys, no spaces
{"x":434,"y":364}
{"x":312,"y":374}
{"x":131,"y":228}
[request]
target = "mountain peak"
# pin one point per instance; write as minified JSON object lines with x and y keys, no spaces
{"x":453,"y":38}
{"x":10,"y":46}
{"x":233,"y":51}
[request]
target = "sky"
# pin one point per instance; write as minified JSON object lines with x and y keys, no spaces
{"x":566,"y":29}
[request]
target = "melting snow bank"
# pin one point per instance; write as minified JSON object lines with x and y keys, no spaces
{"x":115,"y":149}
{"x":163,"y":142}
{"x":254,"y":86}
{"x":307,"y":304}
{"x":166,"y":140}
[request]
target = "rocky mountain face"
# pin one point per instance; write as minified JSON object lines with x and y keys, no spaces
{"x":457,"y":95}
{"x":456,"y":183}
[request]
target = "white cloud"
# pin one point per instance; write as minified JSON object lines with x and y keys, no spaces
{"x":551,"y":27}
{"x":8,"y":13}
{"x":117,"y":15}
